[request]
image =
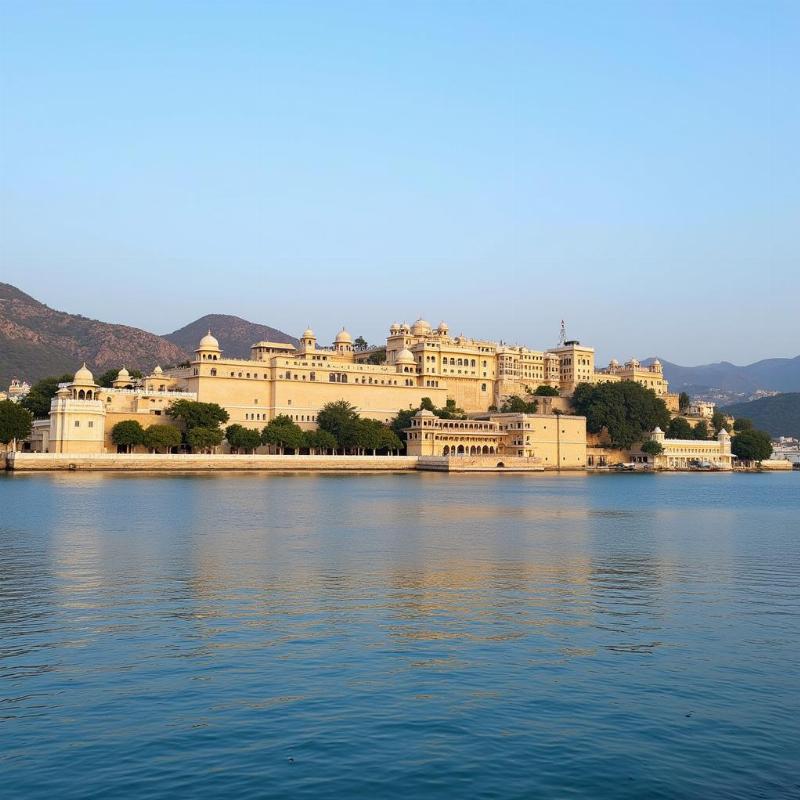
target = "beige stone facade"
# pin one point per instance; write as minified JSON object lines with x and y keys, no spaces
{"x":690,"y":453}
{"x":556,"y":441}
{"x":280,"y":378}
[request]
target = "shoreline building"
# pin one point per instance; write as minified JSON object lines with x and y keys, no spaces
{"x":688,"y":453}
{"x":281,"y":379}
{"x":555,"y":440}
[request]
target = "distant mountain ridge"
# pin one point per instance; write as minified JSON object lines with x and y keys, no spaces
{"x":37,"y":341}
{"x":235,"y":335}
{"x":779,"y":415}
{"x":771,"y":374}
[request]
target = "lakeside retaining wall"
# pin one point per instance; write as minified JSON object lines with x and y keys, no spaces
{"x":150,"y":462}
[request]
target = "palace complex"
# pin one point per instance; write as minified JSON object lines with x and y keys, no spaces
{"x":281,"y":379}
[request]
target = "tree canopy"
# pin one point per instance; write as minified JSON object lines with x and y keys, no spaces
{"x":516,"y":405}
{"x":161,"y":437}
{"x":683,"y":401}
{"x":627,"y":410}
{"x":198,"y":415}
{"x":679,"y":428}
{"x":16,"y":422}
{"x":546,"y":391}
{"x":742,"y":424}
{"x":701,"y":430}
{"x":241,"y":438}
{"x":203,"y":439}
{"x":340,"y":419}
{"x":128,"y":434}
{"x":751,"y":445}
{"x":42,"y":392}
{"x":652,"y":447}
{"x":283,"y":433}
{"x":717,"y":421}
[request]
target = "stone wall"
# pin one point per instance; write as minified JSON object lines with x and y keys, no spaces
{"x":149,"y":462}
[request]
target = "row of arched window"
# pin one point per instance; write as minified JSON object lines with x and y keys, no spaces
{"x":462,"y":450}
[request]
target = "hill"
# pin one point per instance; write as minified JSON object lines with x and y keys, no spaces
{"x":771,"y":374}
{"x":778,"y":415}
{"x":235,"y":335}
{"x":37,"y":341}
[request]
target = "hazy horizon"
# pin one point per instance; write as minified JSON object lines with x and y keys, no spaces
{"x":631,"y":168}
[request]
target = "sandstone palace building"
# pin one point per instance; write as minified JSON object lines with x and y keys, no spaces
{"x":278,"y":378}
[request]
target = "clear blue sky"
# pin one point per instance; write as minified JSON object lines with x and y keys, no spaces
{"x":631,"y":167}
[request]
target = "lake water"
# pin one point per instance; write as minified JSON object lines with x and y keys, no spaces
{"x":400,"y":636}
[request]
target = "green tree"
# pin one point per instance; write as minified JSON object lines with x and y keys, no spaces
{"x":203,"y":440}
{"x":340,"y":419}
{"x":241,"y":438}
{"x":751,"y":445}
{"x":679,"y":428}
{"x":683,"y":402}
{"x":626,"y":410}
{"x":546,"y":391}
{"x":701,"y":430}
{"x":390,"y":441}
{"x":717,"y":421}
{"x":516,"y":405}
{"x":742,"y":424}
{"x":42,"y":392}
{"x":652,"y":447}
{"x":369,"y":435}
{"x":319,"y":441}
{"x":198,"y":415}
{"x":16,"y":423}
{"x":377,"y":356}
{"x":281,"y":432}
{"x":161,"y":437}
{"x":360,"y":343}
{"x":450,"y":410}
{"x":402,"y":421}
{"x":128,"y":434}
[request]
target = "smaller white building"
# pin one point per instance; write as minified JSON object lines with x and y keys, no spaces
{"x":691,"y":453}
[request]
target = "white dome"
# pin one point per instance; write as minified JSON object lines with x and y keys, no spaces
{"x":83,"y":375}
{"x":394,"y":327}
{"x":343,"y":337}
{"x":123,"y":375}
{"x":208,"y":342}
{"x":405,"y":356}
{"x":420,"y":327}
{"x":443,"y":328}
{"x":424,"y":412}
{"x":657,"y":430}
{"x":308,"y":334}
{"x":613,"y":363}
{"x":158,"y":370}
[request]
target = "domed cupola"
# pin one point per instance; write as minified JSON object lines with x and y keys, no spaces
{"x":83,"y":377}
{"x":208,"y":349}
{"x":308,"y":341}
{"x":122,"y":380}
{"x":405,"y":361}
{"x":421,"y":328}
{"x":83,"y":386}
{"x":443,"y":328}
{"x":343,"y":343}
